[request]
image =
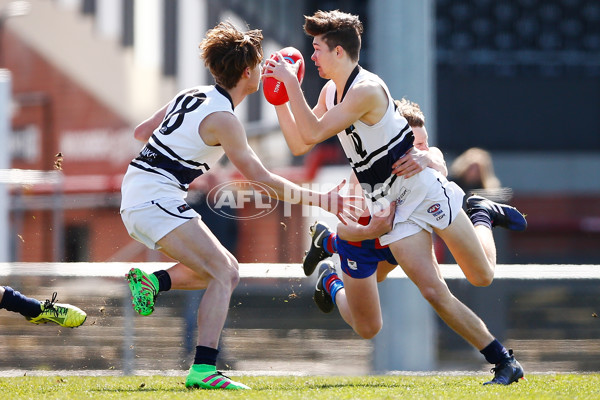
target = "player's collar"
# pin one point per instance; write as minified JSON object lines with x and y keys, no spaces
{"x":351,"y":78}
{"x":225,"y":93}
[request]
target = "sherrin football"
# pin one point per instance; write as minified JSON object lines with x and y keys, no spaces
{"x":273,"y":89}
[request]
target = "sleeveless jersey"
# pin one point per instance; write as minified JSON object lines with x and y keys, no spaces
{"x":372,"y":149}
{"x":175,"y":155}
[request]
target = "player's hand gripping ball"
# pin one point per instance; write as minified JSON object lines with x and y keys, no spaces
{"x":273,"y":89}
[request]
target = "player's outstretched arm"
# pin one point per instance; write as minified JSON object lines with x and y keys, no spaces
{"x":144,"y":130}
{"x":231,"y":136}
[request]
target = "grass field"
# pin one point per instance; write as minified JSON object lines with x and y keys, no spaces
{"x":535,"y":387}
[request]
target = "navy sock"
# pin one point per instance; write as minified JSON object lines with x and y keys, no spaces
{"x":16,"y":302}
{"x":495,"y":352}
{"x":481,"y":217}
{"x":206,"y":355}
{"x":164,"y":280}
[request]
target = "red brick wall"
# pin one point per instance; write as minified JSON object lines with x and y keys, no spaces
{"x":56,"y":104}
{"x":53,"y":103}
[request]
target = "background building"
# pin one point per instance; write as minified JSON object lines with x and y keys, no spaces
{"x":518,"y":78}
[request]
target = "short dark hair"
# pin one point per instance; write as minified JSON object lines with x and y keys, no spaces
{"x":227,"y":52}
{"x":338,"y":29}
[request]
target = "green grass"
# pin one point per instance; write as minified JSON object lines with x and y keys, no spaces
{"x":535,"y":387}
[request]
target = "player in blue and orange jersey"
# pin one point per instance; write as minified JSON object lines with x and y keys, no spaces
{"x":36,"y":312}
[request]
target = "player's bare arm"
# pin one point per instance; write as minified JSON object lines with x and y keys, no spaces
{"x":381,"y":223}
{"x":290,"y":130}
{"x":416,"y":160}
{"x":437,"y":161}
{"x":229,"y":132}
{"x":363,"y":102}
{"x":144,"y":130}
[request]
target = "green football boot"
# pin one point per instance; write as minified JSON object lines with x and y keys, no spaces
{"x":144,"y":289}
{"x":65,"y":315}
{"x":203,"y":376}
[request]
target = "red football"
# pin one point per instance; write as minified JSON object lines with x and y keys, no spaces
{"x":273,"y":89}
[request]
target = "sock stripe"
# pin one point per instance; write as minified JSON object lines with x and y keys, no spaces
{"x":332,"y":278}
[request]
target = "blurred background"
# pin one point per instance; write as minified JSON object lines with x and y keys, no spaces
{"x":518,"y":80}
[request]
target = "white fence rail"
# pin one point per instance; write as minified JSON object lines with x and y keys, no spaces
{"x":407,"y":341}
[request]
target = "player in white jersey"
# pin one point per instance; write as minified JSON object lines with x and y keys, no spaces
{"x":367,"y":255}
{"x":184,"y":139}
{"x":356,"y":105}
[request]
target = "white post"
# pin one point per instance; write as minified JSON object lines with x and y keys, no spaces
{"x":191,"y":26}
{"x":404,"y":59}
{"x":402,"y":44}
{"x":407,"y":341}
{"x":5,"y":105}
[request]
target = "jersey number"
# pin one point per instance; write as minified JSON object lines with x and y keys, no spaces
{"x":358,"y":145}
{"x":185,"y":103}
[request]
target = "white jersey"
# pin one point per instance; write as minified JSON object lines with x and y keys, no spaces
{"x":175,"y":155}
{"x":372,"y":149}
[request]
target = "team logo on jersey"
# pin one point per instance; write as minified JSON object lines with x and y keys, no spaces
{"x":147,"y":155}
{"x":352,"y":265}
{"x":183,"y":208}
{"x":242,"y":200}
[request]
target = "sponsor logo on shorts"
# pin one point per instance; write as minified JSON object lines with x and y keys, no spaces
{"x":404,"y":192}
{"x":434,"y":208}
{"x":352,"y":265}
{"x":436,"y":211}
{"x":183,"y":208}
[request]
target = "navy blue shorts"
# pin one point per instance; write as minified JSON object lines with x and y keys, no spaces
{"x":359,"y":259}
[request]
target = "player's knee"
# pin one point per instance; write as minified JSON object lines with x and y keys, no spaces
{"x":228,"y":274}
{"x":433,"y":295}
{"x":481,"y":280}
{"x":369,"y":330}
{"x":234,"y":274}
